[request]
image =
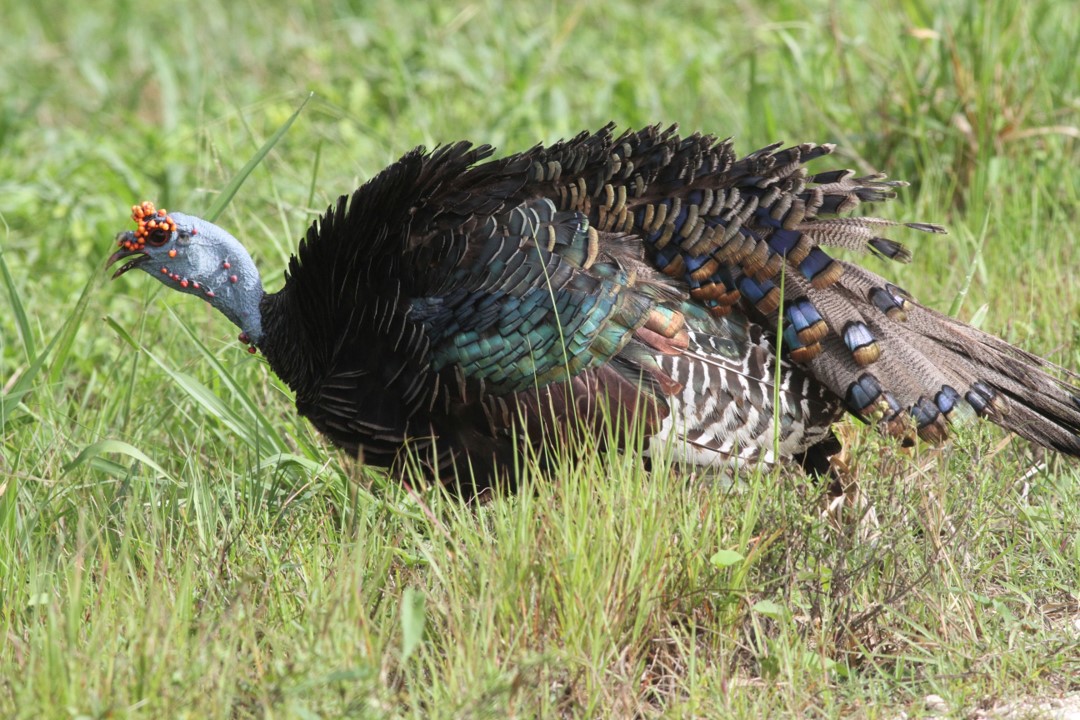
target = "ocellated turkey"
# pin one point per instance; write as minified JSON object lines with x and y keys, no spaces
{"x":469,"y":309}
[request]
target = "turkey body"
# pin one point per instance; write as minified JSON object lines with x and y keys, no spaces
{"x":457,"y":308}
{"x":465,"y":312}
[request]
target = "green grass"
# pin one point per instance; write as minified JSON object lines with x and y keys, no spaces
{"x":175,"y":542}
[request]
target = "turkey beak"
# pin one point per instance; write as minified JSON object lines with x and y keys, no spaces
{"x":137,"y":257}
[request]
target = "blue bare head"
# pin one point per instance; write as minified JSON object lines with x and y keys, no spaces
{"x":194,"y":256}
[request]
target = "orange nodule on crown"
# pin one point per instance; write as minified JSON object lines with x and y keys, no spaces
{"x":148,"y":220}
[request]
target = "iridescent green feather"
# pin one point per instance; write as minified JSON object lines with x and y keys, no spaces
{"x":530,"y":316}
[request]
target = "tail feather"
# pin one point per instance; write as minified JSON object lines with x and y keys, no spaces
{"x":936,"y":369}
{"x":748,"y":237}
{"x":1027,"y":394}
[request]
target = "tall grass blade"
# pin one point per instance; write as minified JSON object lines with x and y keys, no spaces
{"x":233,"y":185}
{"x":958,"y":299}
{"x":69,"y":330}
{"x":29,"y":352}
{"x":263,"y":425}
{"x":63,"y":339}
{"x":104,"y":447}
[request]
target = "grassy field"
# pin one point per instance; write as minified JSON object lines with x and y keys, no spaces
{"x":175,"y":542}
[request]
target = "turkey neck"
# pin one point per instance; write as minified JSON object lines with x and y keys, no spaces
{"x":285,"y":342}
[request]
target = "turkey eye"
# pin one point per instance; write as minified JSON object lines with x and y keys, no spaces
{"x":157,"y":238}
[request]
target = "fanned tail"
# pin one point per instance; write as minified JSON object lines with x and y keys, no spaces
{"x":893,"y":360}
{"x":931,"y":369}
{"x":751,"y":234}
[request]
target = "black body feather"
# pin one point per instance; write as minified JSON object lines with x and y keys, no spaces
{"x":457,"y":302}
